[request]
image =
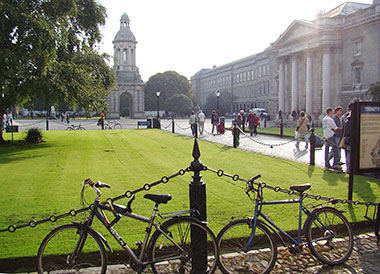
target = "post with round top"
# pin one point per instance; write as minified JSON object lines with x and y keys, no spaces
{"x":197,"y":190}
{"x":312,"y":147}
{"x":172,"y":125}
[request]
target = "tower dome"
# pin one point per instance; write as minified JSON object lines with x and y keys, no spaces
{"x":124,"y":34}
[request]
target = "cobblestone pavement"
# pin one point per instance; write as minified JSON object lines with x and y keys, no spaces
{"x":364,"y":260}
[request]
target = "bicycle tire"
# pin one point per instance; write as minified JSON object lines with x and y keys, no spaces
{"x":232,"y":240}
{"x":179,"y":230}
{"x":81,"y":128}
{"x":69,"y":128}
{"x":333,"y":251}
{"x":117,"y":126}
{"x":59,"y":244}
{"x":107,"y":127}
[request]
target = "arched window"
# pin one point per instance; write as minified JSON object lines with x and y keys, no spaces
{"x":125,"y":56}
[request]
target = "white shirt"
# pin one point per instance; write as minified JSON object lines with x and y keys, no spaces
{"x":201,"y":117}
{"x":328,"y":126}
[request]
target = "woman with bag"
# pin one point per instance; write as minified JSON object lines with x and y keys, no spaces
{"x":302,"y":130}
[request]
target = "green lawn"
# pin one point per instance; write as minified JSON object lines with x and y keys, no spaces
{"x":40,"y":180}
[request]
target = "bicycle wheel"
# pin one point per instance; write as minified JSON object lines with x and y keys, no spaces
{"x":56,"y":253}
{"x":192,"y":250}
{"x":233,"y":239}
{"x":69,"y":128}
{"x":117,"y":126}
{"x":329,"y":235}
{"x":81,"y":128}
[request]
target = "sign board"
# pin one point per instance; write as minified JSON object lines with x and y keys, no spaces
{"x":11,"y":129}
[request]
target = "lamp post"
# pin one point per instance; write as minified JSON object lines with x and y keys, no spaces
{"x":158,"y":108}
{"x":217,"y":101}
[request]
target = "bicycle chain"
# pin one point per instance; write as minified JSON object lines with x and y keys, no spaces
{"x":236,"y":177}
{"x":73,"y":212}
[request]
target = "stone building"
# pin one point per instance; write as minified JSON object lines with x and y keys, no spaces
{"x":313,"y":65}
{"x":128,"y":77}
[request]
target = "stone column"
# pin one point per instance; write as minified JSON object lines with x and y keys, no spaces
{"x":281,"y":87}
{"x":294,"y":105}
{"x":326,"y":76}
{"x":309,"y":84}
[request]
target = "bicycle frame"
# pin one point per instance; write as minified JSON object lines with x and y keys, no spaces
{"x":297,"y":242}
{"x":122,"y":211}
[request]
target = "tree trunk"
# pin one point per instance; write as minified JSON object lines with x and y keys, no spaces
{"x":2,"y":141}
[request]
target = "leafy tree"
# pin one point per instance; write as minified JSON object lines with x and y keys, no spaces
{"x":180,"y":104}
{"x":168,"y":83}
{"x":47,"y":52}
{"x":374,"y":91}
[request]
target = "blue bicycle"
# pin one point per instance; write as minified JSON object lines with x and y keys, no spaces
{"x":248,"y":245}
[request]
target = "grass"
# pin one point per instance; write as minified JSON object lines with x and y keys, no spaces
{"x":40,"y":180}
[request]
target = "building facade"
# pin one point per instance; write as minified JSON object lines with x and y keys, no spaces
{"x":312,"y":65}
{"x":128,"y":77}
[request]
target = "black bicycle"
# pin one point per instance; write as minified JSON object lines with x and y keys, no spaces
{"x":112,"y":125}
{"x":248,"y":245}
{"x":173,"y":247}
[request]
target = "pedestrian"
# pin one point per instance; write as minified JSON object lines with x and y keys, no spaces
{"x":252,"y":121}
{"x":302,"y":130}
{"x":193,"y":122}
{"x":4,"y":121}
{"x":62,"y":116}
{"x":67,"y":116}
{"x":9,"y":119}
{"x":346,"y":121}
{"x":239,"y":120}
{"x":242,"y":114}
{"x":294,"y":115}
{"x":329,"y":128}
{"x":201,"y":121}
{"x":338,"y":134}
{"x":214,"y":121}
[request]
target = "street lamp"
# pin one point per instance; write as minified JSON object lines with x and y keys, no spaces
{"x":217,"y":101}
{"x":158,"y":103}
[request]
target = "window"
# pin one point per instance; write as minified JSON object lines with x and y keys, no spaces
{"x":358,"y":47}
{"x":357,"y":75}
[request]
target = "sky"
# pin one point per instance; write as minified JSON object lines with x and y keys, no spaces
{"x":188,"y":35}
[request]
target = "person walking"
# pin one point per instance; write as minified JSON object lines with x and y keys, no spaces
{"x":201,"y":121}
{"x":338,"y":134}
{"x":252,"y":121}
{"x":302,"y":130}
{"x":329,"y":127}
{"x":193,"y":122}
{"x":239,"y":120}
{"x":242,"y":114}
{"x":214,"y":121}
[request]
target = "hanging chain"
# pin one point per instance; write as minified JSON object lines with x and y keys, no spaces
{"x":74,"y":212}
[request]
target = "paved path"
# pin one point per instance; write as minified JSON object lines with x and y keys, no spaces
{"x":273,"y":146}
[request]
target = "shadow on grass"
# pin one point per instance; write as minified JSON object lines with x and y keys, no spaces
{"x":16,"y":152}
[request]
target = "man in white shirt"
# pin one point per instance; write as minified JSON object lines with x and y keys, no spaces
{"x":201,"y":121}
{"x":329,"y":128}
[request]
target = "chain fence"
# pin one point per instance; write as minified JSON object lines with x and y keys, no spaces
{"x":73,"y":212}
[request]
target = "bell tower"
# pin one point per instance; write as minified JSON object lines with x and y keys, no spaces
{"x":128,"y":76}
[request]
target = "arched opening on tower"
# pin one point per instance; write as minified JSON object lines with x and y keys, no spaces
{"x":125,"y":105}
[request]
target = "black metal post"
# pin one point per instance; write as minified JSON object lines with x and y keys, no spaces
{"x":173,"y":125}
{"x":217,"y":105}
{"x":196,"y":131}
{"x":281,"y":128}
{"x":312,"y":147}
{"x":235,"y":132}
{"x":197,"y":191}
{"x":265,"y":122}
{"x":158,"y":107}
{"x":47,"y":124}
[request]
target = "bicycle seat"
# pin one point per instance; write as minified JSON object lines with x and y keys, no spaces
{"x":300,"y":188}
{"x":158,"y":198}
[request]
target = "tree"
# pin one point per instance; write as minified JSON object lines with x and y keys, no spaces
{"x":180,"y":104}
{"x":47,"y":52}
{"x":168,"y":83}
{"x":374,"y":91}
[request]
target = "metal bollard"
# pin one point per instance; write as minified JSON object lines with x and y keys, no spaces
{"x":47,"y":124}
{"x":197,"y":191}
{"x":312,"y":147}
{"x":281,"y":128}
{"x":265,"y":122}
{"x":172,"y":125}
{"x":196,"y":131}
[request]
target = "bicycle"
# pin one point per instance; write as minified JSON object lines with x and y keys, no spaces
{"x":112,"y":125}
{"x":74,"y":127}
{"x":172,"y":248}
{"x":248,"y":245}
